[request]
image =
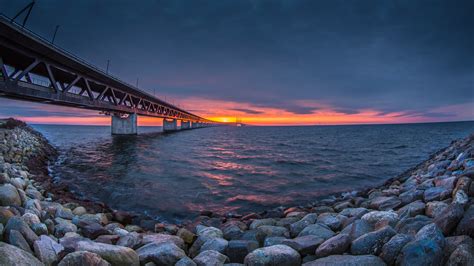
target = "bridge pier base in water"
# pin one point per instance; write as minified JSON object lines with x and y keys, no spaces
{"x":185,"y":124}
{"x":170,"y":125}
{"x":124,"y":125}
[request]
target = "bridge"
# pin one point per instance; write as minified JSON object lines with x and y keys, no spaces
{"x":33,"y":69}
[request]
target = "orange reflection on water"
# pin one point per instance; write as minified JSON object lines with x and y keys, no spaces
{"x":261,"y":199}
{"x":222,"y":180}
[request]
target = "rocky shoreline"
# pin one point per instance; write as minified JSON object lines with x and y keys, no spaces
{"x":423,"y":217}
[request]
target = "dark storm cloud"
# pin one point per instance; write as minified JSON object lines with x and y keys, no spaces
{"x":247,"y":111}
{"x":384,"y":55}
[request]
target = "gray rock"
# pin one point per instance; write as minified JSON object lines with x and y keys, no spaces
{"x":297,"y":227}
{"x":273,"y":255}
{"x":392,"y":248}
{"x":185,"y":262}
{"x":460,"y":198}
{"x":131,"y":240}
{"x":449,"y":218}
{"x":265,"y":231}
{"x":64,"y":213}
{"x":63,"y":227}
{"x":11,"y":255}
{"x":304,"y":244}
{"x":436,"y":193}
{"x":377,"y":216}
{"x":39,"y":229}
{"x":342,"y":205}
{"x":385,"y":203}
{"x":335,"y":245}
{"x":259,"y":222}
{"x":347,"y":260}
{"x":238,"y":249}
{"x":372,"y":242}
{"x":453,"y":242}
{"x":466,"y":225}
{"x":86,"y":219}
{"x":354,"y":212}
{"x":16,"y":238}
{"x":30,"y":218}
{"x":275,"y":240}
{"x":83,"y":258}
{"x":116,"y":255}
{"x":232,"y":232}
{"x":412,"y":209}
{"x":435,"y":208}
{"x":421,"y":252}
{"x":318,"y":230}
{"x":217,"y":244}
{"x":210,"y":258}
{"x":359,"y":228}
{"x":162,"y":238}
{"x":411,"y":196}
{"x":9,"y":196}
{"x":330,"y":220}
{"x":47,"y":250}
{"x":412,"y":225}
{"x":160,"y":254}
{"x":16,"y":223}
{"x":431,"y":231}
{"x":462,"y":255}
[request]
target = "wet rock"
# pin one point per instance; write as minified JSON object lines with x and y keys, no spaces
{"x":435,"y":208}
{"x":232,"y":232}
{"x":273,"y":255}
{"x":271,"y":241}
{"x":108,"y":239}
{"x":160,"y":254}
{"x":64,"y":213}
{"x":462,"y":255}
{"x":431,"y":231}
{"x":185,"y":262}
{"x":385,"y":203}
{"x":16,"y":239}
{"x":466,"y":225}
{"x":343,"y":205}
{"x":411,"y":196}
{"x":347,"y":260}
{"x":392,"y":248}
{"x":63,"y":227}
{"x":359,"y":228}
{"x":322,"y":209}
{"x":330,"y":220}
{"x":436,"y":193}
{"x":94,"y":230}
{"x":335,"y":245}
{"x":449,"y":218}
{"x":16,"y":223}
{"x":256,"y":223}
{"x":11,"y":255}
{"x":319,"y":230}
{"x":421,"y":252}
{"x":83,"y":258}
{"x":238,"y":249}
{"x":122,"y":217}
{"x":210,"y":258}
{"x":354,"y":212}
{"x":304,"y":244}
{"x":372,"y":242}
{"x":412,"y":209}
{"x":162,"y":238}
{"x":9,"y":196}
{"x":47,"y":250}
{"x":412,"y":225}
{"x":377,"y":216}
{"x":297,"y":227}
{"x":265,"y":231}
{"x":286,"y":222}
{"x":115,"y":255}
{"x":217,"y":244}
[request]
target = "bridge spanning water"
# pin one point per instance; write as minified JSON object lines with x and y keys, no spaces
{"x":33,"y":69}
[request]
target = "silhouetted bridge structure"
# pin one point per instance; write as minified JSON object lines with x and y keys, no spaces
{"x":33,"y":69}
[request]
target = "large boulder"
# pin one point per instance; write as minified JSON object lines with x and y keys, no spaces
{"x":412,"y":209}
{"x":83,"y":258}
{"x":378,"y":216}
{"x":466,"y":225}
{"x":372,"y":242}
{"x":431,"y":231}
{"x":462,"y":255}
{"x":16,"y":238}
{"x":297,"y":227}
{"x":436,"y":193}
{"x":421,"y":252}
{"x":358,"y":228}
{"x":412,"y":225}
{"x":449,"y":218}
{"x":335,"y":245}
{"x":162,"y":238}
{"x":47,"y":250}
{"x":330,"y":220}
{"x":9,"y":196}
{"x":132,"y":240}
{"x":347,"y":260}
{"x":11,"y":255}
{"x":160,"y":254}
{"x":210,"y":258}
{"x":273,"y":255}
{"x":16,"y":223}
{"x":116,"y":255}
{"x":319,"y":230}
{"x":435,"y":208}
{"x":217,"y":244}
{"x":304,"y":244}
{"x":392,"y":248}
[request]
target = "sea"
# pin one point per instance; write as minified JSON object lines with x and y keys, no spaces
{"x":172,"y":177}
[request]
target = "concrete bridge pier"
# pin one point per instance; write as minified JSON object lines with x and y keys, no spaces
{"x":185,"y":124}
{"x":170,"y":125}
{"x":196,"y":125}
{"x":124,"y":125}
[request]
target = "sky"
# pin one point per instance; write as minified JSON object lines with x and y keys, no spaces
{"x":278,"y":62}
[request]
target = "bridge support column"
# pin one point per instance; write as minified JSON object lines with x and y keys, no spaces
{"x":185,"y":124}
{"x":170,"y":125}
{"x":124,"y":125}
{"x":195,"y":125}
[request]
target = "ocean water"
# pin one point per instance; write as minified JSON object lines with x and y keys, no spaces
{"x":172,"y":177}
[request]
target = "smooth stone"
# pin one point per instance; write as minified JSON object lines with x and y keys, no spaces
{"x":392,"y":248}
{"x":354,"y":212}
{"x":217,"y":244}
{"x":16,"y":239}
{"x":463,"y":183}
{"x":30,"y":218}
{"x":275,"y":240}
{"x":9,"y":196}
{"x":447,"y":183}
{"x":187,"y":236}
{"x":273,"y":255}
{"x":304,"y":244}
{"x":377,"y":216}
{"x":238,"y":249}
{"x":162,"y":238}
{"x":160,"y":254}
{"x":411,"y":196}
{"x":330,"y":220}
{"x":131,"y":240}
{"x":460,"y":198}
{"x":359,"y":228}
{"x":347,"y":260}
{"x":287,"y":221}
{"x":265,"y":231}
{"x":47,"y":250}
{"x":5,"y":215}
{"x":64,"y":213}
{"x":64,"y":227}
{"x":86,"y":219}
{"x":108,"y":239}
{"x":16,"y":223}
{"x":372,"y":242}
{"x":449,"y":218}
{"x":412,"y":209}
{"x":431,"y":231}
{"x":210,"y":258}
{"x":11,"y":255}
{"x":185,"y":262}
{"x":94,"y":230}
{"x":297,"y":227}
{"x":343,"y":205}
{"x":79,"y":258}
{"x":453,"y":242}
{"x":435,"y":208}
{"x":412,"y":225}
{"x":122,"y":217}
{"x":116,"y":255}
{"x":259,"y":222}
{"x":209,"y":231}
{"x":319,"y":230}
{"x":462,"y":255}
{"x":335,"y":245}
{"x":466,"y":225}
{"x":436,"y":193}
{"x":421,"y":252}
{"x":79,"y":211}
{"x":385,"y":203}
